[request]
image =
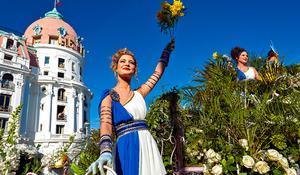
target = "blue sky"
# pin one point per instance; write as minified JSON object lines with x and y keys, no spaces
{"x":215,"y":25}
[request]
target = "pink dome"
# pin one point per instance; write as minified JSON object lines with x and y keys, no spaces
{"x":52,"y":30}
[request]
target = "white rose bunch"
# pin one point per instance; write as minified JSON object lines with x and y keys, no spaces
{"x":248,"y":161}
{"x":273,"y":155}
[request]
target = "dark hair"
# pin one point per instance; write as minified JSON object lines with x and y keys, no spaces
{"x":236,"y":52}
{"x":271,"y":54}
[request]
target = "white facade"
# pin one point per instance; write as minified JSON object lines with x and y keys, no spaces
{"x":14,"y":70}
{"x":55,"y":100}
{"x":61,"y":103}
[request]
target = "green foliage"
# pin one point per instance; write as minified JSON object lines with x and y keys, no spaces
{"x":265,"y":113}
{"x":29,"y":164}
{"x":88,"y":155}
{"x":161,"y":126}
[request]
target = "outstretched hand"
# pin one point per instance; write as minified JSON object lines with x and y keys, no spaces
{"x":171,"y":45}
{"x":104,"y":159}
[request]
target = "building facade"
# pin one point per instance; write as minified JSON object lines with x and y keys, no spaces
{"x":43,"y":70}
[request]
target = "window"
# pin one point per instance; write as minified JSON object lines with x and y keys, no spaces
{"x":46,"y":72}
{"x":60,"y":129}
{"x":60,"y":75}
{"x":53,"y":40}
{"x":85,"y":101}
{"x":3,"y":122}
{"x":41,"y":127}
{"x":36,"y":40}
{"x":9,"y":44}
{"x":80,"y":71}
{"x":73,"y":77}
{"x":61,"y":95}
{"x":61,"y":112}
{"x":44,"y":89}
{"x":73,"y":66}
{"x":61,"y":63}
{"x":7,"y":81}
{"x":8,"y":57}
{"x":46,"y":60}
{"x":84,"y":117}
{"x":5,"y":102}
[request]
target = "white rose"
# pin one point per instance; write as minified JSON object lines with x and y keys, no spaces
{"x":217,"y":170}
{"x":284,"y":162}
{"x":291,"y":171}
{"x":218,"y":156}
{"x":248,"y":161}
{"x":210,"y":154}
{"x":261,"y":167}
{"x":210,"y":161}
{"x":273,"y":155}
{"x":244,"y":143}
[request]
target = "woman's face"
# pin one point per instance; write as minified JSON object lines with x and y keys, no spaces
{"x":243,"y":58}
{"x":126,"y":66}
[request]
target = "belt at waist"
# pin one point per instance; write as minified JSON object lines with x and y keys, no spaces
{"x":125,"y":128}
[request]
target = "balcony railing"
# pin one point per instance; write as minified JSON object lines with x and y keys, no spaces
{"x":7,"y":109}
{"x":62,"y":98}
{"x":61,"y":65}
{"x":9,"y":85}
{"x":61,"y":117}
{"x":13,"y":63}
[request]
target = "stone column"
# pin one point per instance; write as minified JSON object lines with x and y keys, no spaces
{"x":80,"y":111}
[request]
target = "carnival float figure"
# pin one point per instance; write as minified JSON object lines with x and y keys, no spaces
{"x":244,"y":72}
{"x":123,"y":110}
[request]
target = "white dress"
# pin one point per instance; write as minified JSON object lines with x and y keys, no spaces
{"x":150,"y":160}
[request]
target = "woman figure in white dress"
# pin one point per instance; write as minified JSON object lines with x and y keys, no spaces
{"x":123,"y":111}
{"x":244,"y":72}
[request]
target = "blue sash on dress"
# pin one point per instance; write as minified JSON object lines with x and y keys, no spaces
{"x":126,"y":159}
{"x":240,"y":74}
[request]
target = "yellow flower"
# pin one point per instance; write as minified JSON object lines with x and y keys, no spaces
{"x":176,"y":8}
{"x":215,"y":55}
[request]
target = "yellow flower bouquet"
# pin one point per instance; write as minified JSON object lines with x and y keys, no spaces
{"x":169,"y":15}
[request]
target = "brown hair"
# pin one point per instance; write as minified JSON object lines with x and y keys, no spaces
{"x":236,"y":52}
{"x":115,"y":58}
{"x":271,"y":54}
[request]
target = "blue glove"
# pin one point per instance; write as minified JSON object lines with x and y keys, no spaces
{"x":165,"y":56}
{"x":104,"y":159}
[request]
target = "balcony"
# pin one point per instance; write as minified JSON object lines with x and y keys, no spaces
{"x":6,"y":109}
{"x":61,"y":117}
{"x":62,"y":98}
{"x":7,"y":85}
{"x":61,"y":66}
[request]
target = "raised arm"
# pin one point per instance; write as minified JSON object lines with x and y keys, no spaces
{"x":146,"y":88}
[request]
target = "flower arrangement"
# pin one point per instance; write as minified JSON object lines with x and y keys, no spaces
{"x":266,"y":161}
{"x":9,"y":154}
{"x":169,"y":15}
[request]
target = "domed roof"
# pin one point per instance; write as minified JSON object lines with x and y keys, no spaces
{"x":52,"y":29}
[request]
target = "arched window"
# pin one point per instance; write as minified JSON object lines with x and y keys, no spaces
{"x":61,"y":96}
{"x":7,"y":81}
